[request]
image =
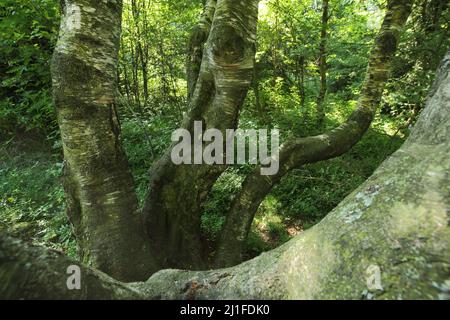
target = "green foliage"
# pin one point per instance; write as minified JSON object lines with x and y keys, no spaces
{"x":152,"y":60}
{"x":28,"y":31}
{"x":219,"y":202}
{"x":32,"y":204}
{"x":314,"y":190}
{"x":144,"y":141}
{"x":152,"y":100}
{"x":425,"y":42}
{"x":288,"y":56}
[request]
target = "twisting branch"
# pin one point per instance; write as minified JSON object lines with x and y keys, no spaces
{"x":197,"y":40}
{"x":300,"y":151}
{"x":222,"y":83}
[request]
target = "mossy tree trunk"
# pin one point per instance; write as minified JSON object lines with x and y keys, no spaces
{"x":102,"y":204}
{"x":220,"y":70}
{"x":396,"y":224}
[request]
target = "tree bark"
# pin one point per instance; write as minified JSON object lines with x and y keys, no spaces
{"x":297,"y":152}
{"x":102,"y":204}
{"x":198,"y":38}
{"x":28,"y":272}
{"x":222,"y":83}
{"x":396,"y":223}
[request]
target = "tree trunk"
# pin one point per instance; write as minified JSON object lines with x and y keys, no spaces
{"x":198,"y":38}
{"x":301,"y":82}
{"x":142,"y":56}
{"x":323,"y":64}
{"x":259,"y":104}
{"x":135,"y":74}
{"x":394,"y":226}
{"x":126,"y":83}
{"x":102,"y":204}
{"x":177,"y":192}
{"x":297,"y":152}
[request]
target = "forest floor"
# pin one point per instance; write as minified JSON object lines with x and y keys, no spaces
{"x":32,"y":199}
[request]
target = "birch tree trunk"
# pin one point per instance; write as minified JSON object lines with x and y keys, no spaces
{"x":102,"y":205}
{"x":222,"y":52}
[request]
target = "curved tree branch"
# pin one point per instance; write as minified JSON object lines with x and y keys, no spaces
{"x":28,"y":272}
{"x":300,"y":151}
{"x":198,"y":37}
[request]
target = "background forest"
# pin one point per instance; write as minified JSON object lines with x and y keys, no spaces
{"x":310,"y":63}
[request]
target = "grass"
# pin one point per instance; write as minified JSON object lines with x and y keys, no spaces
{"x":31,"y":197}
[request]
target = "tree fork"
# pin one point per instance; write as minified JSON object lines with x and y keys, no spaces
{"x":222,"y":83}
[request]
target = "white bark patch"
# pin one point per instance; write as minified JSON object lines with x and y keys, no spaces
{"x":73,"y":18}
{"x":89,"y":9}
